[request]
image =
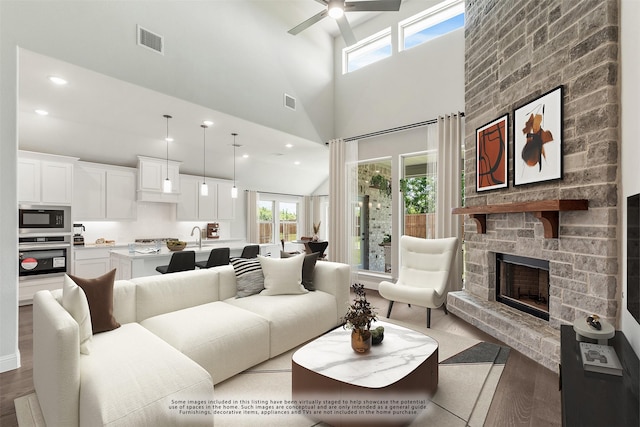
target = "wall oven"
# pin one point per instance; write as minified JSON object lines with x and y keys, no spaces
{"x":39,"y":255}
{"x":44,"y":219}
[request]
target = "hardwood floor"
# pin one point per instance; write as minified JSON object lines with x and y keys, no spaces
{"x":527,"y":394}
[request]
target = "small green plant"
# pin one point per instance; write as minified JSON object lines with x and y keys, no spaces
{"x":360,"y":314}
{"x":386,"y":239}
{"x":381,"y":183}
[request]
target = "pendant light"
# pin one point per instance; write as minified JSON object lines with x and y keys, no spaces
{"x":166,"y":187}
{"x":234,"y":189}
{"x":204,"y":188}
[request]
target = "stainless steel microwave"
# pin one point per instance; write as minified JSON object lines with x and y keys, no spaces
{"x":44,"y":219}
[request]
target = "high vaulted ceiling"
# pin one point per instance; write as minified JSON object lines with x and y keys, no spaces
{"x":102,"y":119}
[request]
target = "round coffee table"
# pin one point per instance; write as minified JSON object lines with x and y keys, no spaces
{"x":386,"y":386}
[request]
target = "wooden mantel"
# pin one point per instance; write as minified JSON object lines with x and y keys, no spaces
{"x":547,"y":211}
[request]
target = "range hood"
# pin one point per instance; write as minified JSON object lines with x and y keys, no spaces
{"x":152,"y":173}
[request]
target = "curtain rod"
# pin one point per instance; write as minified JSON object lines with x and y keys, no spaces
{"x":392,"y":130}
{"x":287,"y":194}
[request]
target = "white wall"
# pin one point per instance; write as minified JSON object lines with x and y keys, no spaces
{"x":210,"y":60}
{"x":411,"y":86}
{"x":630,"y":149}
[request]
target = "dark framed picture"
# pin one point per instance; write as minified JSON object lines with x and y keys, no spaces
{"x":492,"y":155}
{"x":537,"y":139}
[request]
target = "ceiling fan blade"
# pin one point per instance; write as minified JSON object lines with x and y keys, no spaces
{"x":309,"y":22}
{"x":372,"y":6}
{"x":322,"y":2}
{"x":345,"y":30}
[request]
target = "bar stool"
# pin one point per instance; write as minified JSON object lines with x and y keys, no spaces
{"x":217,"y":256}
{"x":180,"y":261}
{"x":250,"y":251}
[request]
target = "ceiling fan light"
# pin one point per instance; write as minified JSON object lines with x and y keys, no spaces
{"x":336,"y":11}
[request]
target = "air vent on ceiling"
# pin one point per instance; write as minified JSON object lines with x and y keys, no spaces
{"x":289,"y":102}
{"x":150,"y":40}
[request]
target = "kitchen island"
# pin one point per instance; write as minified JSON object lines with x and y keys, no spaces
{"x":139,"y":263}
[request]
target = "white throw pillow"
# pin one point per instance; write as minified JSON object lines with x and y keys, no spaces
{"x":282,"y":275}
{"x":75,"y":302}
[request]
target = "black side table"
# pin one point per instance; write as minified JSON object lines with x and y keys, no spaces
{"x":595,"y":399}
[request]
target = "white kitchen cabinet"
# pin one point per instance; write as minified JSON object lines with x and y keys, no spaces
{"x":151,"y":176}
{"x":90,"y":263}
{"x":104,"y":192}
{"x":89,"y":198}
{"x":226,"y":204}
{"x":192,"y":206}
{"x":45,"y":179}
{"x":121,"y":189}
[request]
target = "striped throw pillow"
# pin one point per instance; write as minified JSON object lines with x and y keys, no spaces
{"x":249,"y":277}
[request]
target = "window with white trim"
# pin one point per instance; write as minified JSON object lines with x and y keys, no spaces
{"x":277,"y":219}
{"x":367,"y":51}
{"x":434,"y":22}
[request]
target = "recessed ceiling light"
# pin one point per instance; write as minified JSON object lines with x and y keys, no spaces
{"x":296,"y":162}
{"x":245,"y":156}
{"x":289,"y":145}
{"x":207,"y":123}
{"x":57,"y":80}
{"x":42,"y":112}
{"x":168,"y":139}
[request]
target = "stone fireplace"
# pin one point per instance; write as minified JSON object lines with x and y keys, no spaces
{"x":516,"y":51}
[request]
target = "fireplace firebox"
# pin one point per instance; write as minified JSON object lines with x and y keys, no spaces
{"x":523,"y":283}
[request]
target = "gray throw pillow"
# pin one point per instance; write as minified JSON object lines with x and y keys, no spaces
{"x":249,"y":277}
{"x":308,"y":266}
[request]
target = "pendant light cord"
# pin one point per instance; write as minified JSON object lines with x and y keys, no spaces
{"x":204,"y":151}
{"x":234,"y":158}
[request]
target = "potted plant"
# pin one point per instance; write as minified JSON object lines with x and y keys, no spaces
{"x":381,"y":183}
{"x":358,"y":318}
{"x":386,"y":240}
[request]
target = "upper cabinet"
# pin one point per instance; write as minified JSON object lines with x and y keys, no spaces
{"x":151,"y":176}
{"x":193,"y":206}
{"x":104,"y":192}
{"x":45,"y":179}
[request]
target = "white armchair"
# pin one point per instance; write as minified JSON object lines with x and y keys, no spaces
{"x":425,"y":265}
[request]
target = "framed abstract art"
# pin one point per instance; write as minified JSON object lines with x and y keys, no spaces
{"x":537,"y":139}
{"x":492,"y":155}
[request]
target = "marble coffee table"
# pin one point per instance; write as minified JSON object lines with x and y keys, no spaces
{"x":363,"y":389}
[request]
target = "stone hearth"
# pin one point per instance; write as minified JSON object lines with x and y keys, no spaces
{"x":516,"y":51}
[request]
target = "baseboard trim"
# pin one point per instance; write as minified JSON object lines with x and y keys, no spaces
{"x":10,"y":362}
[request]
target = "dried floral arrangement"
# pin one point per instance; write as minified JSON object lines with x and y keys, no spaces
{"x":360,"y":314}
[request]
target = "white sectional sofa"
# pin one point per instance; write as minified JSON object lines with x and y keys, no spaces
{"x":180,"y":334}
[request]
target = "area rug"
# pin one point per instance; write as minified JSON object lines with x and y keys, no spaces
{"x":469,"y":371}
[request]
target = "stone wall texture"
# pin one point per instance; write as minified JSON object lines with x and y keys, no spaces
{"x":515,"y":51}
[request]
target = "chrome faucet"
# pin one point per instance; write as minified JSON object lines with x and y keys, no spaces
{"x":199,"y":235}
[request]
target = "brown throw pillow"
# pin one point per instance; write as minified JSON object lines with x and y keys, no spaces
{"x":99,"y":292}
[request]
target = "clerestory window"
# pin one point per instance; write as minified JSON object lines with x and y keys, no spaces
{"x":370,"y":50}
{"x":434,"y":22}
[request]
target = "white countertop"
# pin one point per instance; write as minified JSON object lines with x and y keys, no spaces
{"x":207,"y":245}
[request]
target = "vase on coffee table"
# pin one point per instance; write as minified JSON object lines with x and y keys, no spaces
{"x":361,"y":340}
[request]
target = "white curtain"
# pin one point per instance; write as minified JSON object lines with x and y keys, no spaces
{"x":449,"y":190}
{"x":253,"y":233}
{"x":343,"y":197}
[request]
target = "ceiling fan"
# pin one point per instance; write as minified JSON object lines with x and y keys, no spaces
{"x":336,"y":10}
